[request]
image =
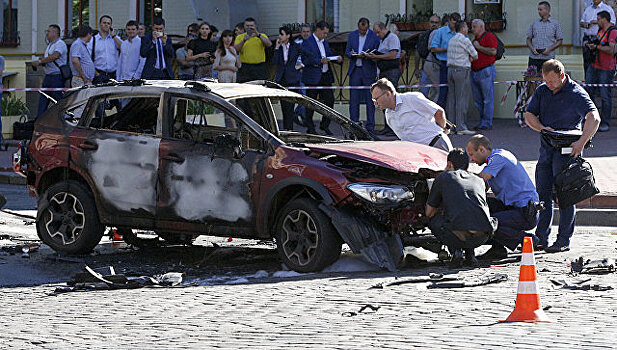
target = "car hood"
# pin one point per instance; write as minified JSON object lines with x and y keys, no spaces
{"x":402,"y":156}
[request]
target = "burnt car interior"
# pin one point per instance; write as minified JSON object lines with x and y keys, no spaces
{"x":342,"y":129}
{"x":201,"y":121}
{"x":135,"y":114}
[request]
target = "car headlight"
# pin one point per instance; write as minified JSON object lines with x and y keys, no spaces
{"x":381,"y":194}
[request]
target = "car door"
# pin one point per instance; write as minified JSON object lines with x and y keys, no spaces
{"x":116,"y":147}
{"x":208,"y":162}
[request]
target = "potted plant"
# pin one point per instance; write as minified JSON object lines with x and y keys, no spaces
{"x":13,"y":109}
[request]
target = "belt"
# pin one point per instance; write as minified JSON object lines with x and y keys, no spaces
{"x":434,"y":140}
{"x":104,"y":72}
{"x":458,"y":67}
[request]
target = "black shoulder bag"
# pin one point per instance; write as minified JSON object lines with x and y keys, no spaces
{"x":575,"y":183}
{"x":65,"y":71}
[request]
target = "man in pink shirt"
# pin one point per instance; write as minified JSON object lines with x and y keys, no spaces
{"x":602,"y":68}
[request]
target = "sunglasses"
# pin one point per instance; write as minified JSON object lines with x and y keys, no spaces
{"x":378,"y":97}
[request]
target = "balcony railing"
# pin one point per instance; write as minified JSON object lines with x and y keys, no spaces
{"x":9,"y":39}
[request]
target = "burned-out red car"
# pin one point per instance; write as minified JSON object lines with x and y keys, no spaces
{"x":201,"y":158}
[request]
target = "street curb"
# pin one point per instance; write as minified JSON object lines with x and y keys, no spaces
{"x":591,"y":217}
{"x":13,"y":179}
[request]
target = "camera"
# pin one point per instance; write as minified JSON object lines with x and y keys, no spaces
{"x":249,"y":31}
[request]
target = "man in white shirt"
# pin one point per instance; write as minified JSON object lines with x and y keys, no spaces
{"x":130,"y":63}
{"x":589,"y":23}
{"x":412,"y":116}
{"x":55,"y":56}
{"x":106,"y":45}
{"x":460,"y":54}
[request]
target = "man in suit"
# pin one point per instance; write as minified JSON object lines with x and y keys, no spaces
{"x":317,"y":72}
{"x":158,"y":51}
{"x":286,"y":53}
{"x":362,"y":71}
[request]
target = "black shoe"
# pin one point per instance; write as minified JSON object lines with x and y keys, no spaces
{"x":311,"y":131}
{"x":326,"y":130}
{"x":470,"y":258}
{"x":457,"y":259}
{"x":481,"y":127}
{"x":495,"y":253}
{"x":557,"y":249}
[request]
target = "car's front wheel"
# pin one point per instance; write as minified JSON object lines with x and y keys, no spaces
{"x":305,"y":237}
{"x":68,"y":220}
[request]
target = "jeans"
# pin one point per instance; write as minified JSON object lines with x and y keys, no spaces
{"x":452,"y":241}
{"x":442,"y":101}
{"x":483,"y":88}
{"x":50,"y":81}
{"x":458,"y":96}
{"x":550,"y":163}
{"x":601,"y":76}
{"x":357,"y":97}
{"x":512,"y":223}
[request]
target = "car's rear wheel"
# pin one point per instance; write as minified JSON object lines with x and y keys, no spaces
{"x":68,"y":219}
{"x":305,"y":237}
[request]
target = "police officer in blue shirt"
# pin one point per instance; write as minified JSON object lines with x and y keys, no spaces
{"x":515,"y":200}
{"x":558,"y":104}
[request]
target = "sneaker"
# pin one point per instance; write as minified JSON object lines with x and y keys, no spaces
{"x":465,"y":132}
{"x":603,"y":128}
{"x":557,"y":249}
{"x":495,"y":253}
{"x":457,"y":259}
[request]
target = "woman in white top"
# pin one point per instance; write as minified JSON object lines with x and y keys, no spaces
{"x":226,"y":60}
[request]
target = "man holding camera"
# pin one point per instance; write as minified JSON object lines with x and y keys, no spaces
{"x":157,"y":49}
{"x":252,"y":48}
{"x":589,"y":23}
{"x":602,"y":66}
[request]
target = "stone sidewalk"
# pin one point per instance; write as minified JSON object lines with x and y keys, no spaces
{"x":313,"y":311}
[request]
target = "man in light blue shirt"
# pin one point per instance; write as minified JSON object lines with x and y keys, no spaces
{"x":82,"y":66}
{"x":105,"y":45}
{"x":55,"y":56}
{"x":130,"y":63}
{"x":439,"y":46}
{"x":516,"y":199}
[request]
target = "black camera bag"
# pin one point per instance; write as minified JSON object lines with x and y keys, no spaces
{"x":575,"y":183}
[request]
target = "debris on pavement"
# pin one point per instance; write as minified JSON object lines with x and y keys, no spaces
{"x":603,"y":266}
{"x":370,"y":307}
{"x":105,"y":278}
{"x":471,"y":282}
{"x":580,"y":285}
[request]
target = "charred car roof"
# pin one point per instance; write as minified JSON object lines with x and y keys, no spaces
{"x":227,"y":91}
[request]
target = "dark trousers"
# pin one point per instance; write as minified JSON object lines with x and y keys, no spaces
{"x":452,"y":241}
{"x":325,"y":96}
{"x":550,"y":163}
{"x":288,"y":107}
{"x":249,"y":72}
{"x":512,"y":223}
{"x":159,"y":74}
{"x":442,"y":101}
{"x":393,"y":75}
{"x":536,"y":62}
{"x":361,"y":96}
{"x":601,"y":76}
{"x":50,"y":81}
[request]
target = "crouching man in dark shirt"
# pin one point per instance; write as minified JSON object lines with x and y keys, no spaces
{"x":458,"y":211}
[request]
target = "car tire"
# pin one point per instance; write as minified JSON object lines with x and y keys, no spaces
{"x":67,"y":219}
{"x":305,"y":237}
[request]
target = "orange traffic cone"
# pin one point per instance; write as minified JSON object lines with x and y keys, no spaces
{"x":527,"y":308}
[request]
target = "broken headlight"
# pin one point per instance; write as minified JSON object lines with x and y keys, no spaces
{"x":381,"y":194}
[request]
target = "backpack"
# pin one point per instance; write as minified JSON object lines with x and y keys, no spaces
{"x":575,"y":183}
{"x":422,"y":44}
{"x":501,"y":49}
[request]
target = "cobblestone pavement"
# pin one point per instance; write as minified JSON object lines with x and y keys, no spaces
{"x":307,"y":311}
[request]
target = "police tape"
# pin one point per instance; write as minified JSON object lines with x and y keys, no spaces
{"x":339,"y":87}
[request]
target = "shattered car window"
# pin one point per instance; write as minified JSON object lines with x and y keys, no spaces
{"x":136,"y":114}
{"x":73,"y":114}
{"x":335,"y":129}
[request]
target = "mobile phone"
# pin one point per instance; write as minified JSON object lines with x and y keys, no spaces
{"x":249,"y":31}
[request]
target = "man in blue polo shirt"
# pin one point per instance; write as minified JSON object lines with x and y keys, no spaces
{"x":439,"y":46}
{"x":515,"y":200}
{"x":558,"y":104}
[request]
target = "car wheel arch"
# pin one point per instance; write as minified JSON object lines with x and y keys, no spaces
{"x":287,"y":190}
